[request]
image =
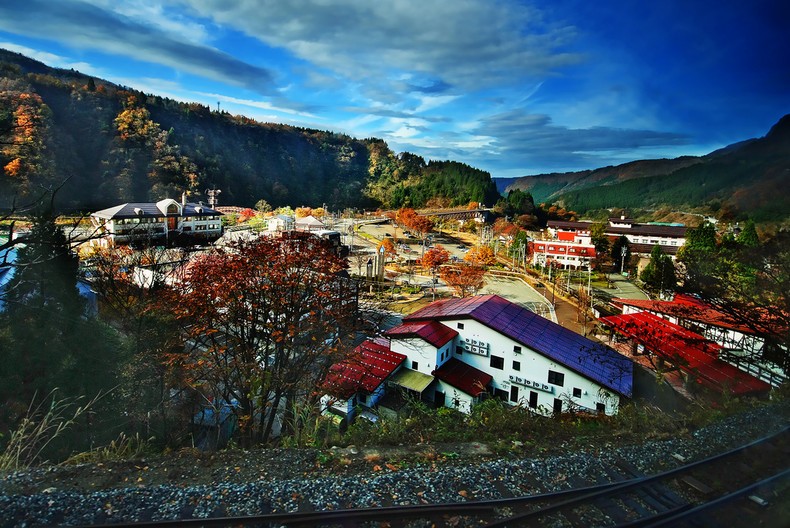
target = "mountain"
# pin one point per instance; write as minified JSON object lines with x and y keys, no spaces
{"x":746,"y":178}
{"x":101,"y":144}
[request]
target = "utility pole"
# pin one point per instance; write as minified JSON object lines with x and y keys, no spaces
{"x":623,"y":251}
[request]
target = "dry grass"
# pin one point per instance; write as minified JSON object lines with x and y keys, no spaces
{"x":43,"y":422}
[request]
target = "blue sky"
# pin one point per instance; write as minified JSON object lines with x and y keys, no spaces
{"x":508,"y":86}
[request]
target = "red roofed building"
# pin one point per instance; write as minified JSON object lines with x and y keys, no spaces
{"x":696,"y":357}
{"x":359,"y":379}
{"x":740,"y":344}
{"x":459,"y":385}
{"x":567,"y":254}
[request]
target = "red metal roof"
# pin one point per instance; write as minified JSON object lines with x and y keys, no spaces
{"x":433,"y":332}
{"x":463,"y":377}
{"x":690,"y":351}
{"x":688,"y":307}
{"x":365,"y":369}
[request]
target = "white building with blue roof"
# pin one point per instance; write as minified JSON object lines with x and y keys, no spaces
{"x":516,"y":354}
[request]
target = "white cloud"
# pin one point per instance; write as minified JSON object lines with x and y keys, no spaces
{"x":466,"y":43}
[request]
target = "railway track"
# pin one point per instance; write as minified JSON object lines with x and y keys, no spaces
{"x":742,"y":487}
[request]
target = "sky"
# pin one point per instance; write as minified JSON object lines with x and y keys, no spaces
{"x":512,"y":87}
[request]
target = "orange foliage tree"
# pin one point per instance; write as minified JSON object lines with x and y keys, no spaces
{"x":435,"y":258}
{"x":481,"y":256}
{"x":303,"y":212}
{"x":389,"y":247}
{"x":264,"y":321}
{"x":465,"y":279}
{"x":246,"y":214}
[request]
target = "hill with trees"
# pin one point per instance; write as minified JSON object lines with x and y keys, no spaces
{"x":747,"y":178}
{"x":112,"y":144}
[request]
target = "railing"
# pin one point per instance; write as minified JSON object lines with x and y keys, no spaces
{"x":764,"y":373}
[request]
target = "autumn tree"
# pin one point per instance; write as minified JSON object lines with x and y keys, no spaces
{"x":262,"y":206}
{"x":750,"y":285}
{"x":303,"y":212}
{"x":481,"y":256}
{"x":465,"y":279}
{"x":264,"y":320}
{"x":246,"y":215}
{"x":389,"y":247}
{"x":129,"y":283}
{"x":435,"y":257}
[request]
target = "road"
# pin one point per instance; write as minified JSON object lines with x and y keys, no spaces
{"x":519,"y":292}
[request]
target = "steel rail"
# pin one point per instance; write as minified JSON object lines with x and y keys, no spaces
{"x":572,"y":497}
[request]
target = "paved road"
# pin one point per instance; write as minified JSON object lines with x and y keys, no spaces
{"x":519,"y":292}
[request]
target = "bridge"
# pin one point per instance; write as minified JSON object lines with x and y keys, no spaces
{"x":480,"y":215}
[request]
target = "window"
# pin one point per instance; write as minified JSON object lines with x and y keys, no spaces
{"x":414,"y":365}
{"x":517,"y":349}
{"x":533,"y":400}
{"x":517,"y":365}
{"x":497,"y":362}
{"x":513,"y":393}
{"x":557,"y":406}
{"x":600,"y":407}
{"x":460,"y":326}
{"x":577,"y":392}
{"x":556,"y":378}
{"x":459,"y":350}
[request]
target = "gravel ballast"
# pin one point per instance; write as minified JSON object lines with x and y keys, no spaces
{"x":293,"y":480}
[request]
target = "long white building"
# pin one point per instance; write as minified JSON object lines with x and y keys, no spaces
{"x":460,"y":351}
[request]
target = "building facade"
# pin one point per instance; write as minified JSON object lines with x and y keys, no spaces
{"x":162,"y":222}
{"x":461,"y":351}
{"x":568,"y":255}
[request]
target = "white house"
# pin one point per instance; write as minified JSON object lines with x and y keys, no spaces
{"x":280,"y":223}
{"x":487,"y":345}
{"x":164,"y":220}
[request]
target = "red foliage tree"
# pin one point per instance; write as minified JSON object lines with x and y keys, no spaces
{"x":435,"y":257}
{"x":264,"y":320}
{"x":465,"y":280}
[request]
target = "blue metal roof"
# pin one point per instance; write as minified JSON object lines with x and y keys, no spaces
{"x":589,"y":358}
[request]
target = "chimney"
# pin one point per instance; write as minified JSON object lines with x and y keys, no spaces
{"x":622,"y":217}
{"x":184,"y":198}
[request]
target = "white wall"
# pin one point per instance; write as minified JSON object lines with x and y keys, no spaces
{"x":454,"y":398}
{"x":533,"y":367}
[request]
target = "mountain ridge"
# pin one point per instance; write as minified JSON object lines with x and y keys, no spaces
{"x":744,"y":178}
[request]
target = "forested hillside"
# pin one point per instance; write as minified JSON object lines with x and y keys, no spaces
{"x":748,"y":178}
{"x":112,"y":144}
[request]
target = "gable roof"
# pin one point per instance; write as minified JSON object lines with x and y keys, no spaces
{"x":589,"y":358}
{"x":432,"y":332}
{"x":463,"y":377}
{"x":149,"y":209}
{"x":687,"y":307}
{"x":368,"y":366}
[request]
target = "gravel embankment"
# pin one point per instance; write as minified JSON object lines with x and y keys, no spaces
{"x":406,"y":484}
